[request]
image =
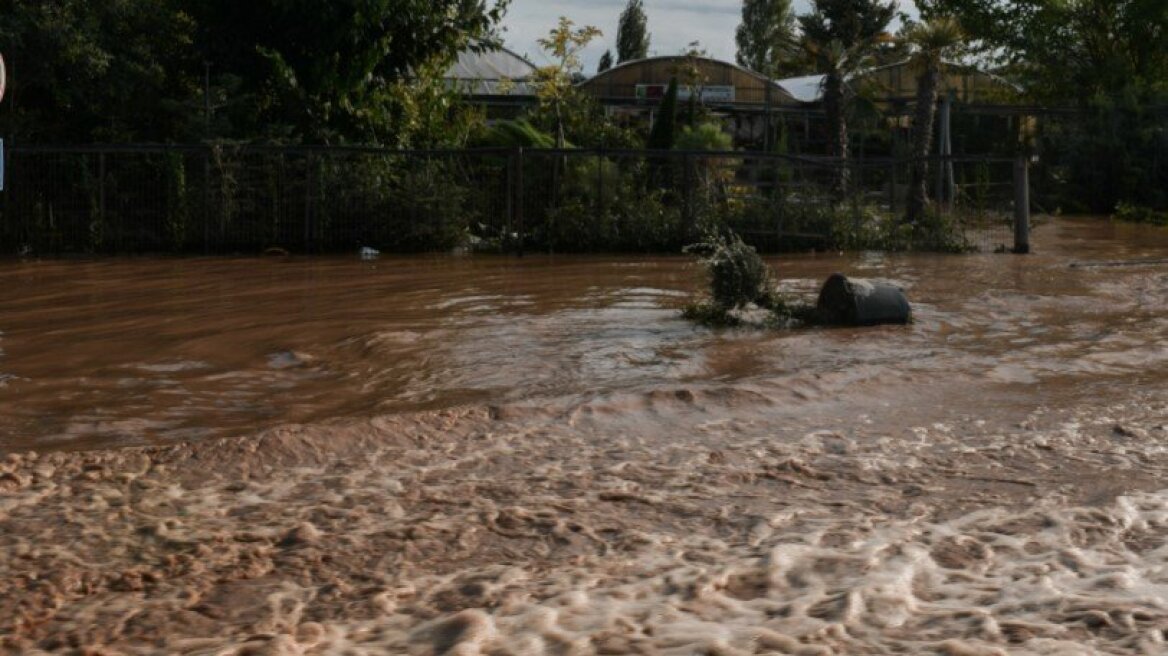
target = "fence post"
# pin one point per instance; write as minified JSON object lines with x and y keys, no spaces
{"x":519,"y":198}
{"x":688,"y":198}
{"x":207,"y":202}
{"x":892,"y":180}
{"x":600,"y":205}
{"x":1021,"y":206}
{"x":308,"y":164}
{"x":101,"y":197}
{"x":857,"y":191}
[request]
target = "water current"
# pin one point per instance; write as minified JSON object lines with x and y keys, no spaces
{"x":519,"y":457}
{"x":132,"y":352}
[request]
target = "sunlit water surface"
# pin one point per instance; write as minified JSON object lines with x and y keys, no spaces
{"x":150,"y":351}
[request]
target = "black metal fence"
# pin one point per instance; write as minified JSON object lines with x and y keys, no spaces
{"x":245,"y":199}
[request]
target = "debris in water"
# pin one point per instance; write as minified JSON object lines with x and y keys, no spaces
{"x":856,"y":302}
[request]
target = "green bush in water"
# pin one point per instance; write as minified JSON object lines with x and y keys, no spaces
{"x":739,"y":278}
{"x":737,"y":274}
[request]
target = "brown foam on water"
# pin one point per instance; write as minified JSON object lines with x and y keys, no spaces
{"x":731,"y":529}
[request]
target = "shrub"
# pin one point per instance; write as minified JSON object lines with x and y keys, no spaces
{"x":707,"y":136}
{"x":514,"y":134}
{"x":1137,"y":214}
{"x":737,"y":274}
{"x":740,"y":279}
{"x":603,"y":205}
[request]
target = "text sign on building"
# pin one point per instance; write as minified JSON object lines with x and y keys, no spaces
{"x":714,"y":94}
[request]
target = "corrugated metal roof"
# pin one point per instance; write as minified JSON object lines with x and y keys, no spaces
{"x":491,"y":73}
{"x":807,"y":89}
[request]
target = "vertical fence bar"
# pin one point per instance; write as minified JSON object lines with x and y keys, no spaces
{"x":690,"y":222}
{"x":509,"y":201}
{"x":600,"y":205}
{"x":207,"y":201}
{"x":1021,"y":206}
{"x":893,"y":169}
{"x":308,"y":165}
{"x":101,"y":199}
{"x":520,"y":197}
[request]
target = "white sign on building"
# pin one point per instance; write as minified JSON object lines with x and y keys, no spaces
{"x":710,"y":94}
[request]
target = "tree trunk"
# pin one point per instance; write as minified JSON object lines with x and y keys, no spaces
{"x":837,"y":127}
{"x":922,"y":140}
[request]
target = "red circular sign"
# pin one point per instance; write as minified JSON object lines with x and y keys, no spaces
{"x":3,"y":77}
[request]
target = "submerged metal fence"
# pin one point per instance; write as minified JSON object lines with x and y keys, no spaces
{"x":245,"y":199}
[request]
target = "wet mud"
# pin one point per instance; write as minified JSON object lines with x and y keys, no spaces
{"x":591,"y":476}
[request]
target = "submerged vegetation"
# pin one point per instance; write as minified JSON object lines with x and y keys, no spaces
{"x":742,"y":288}
{"x":1138,"y":214}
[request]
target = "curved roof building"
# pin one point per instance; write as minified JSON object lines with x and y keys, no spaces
{"x":724,"y":83}
{"x":498,"y":72}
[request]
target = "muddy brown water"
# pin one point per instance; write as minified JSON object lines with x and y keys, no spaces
{"x":154,"y":351}
{"x":501,"y":457}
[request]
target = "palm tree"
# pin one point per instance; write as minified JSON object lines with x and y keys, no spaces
{"x":840,"y":36}
{"x":932,"y":40}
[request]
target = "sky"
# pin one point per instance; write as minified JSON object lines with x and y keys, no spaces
{"x":673,"y":25}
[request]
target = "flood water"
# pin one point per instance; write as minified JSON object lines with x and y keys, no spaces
{"x":530,"y":457}
{"x":153,"y":351}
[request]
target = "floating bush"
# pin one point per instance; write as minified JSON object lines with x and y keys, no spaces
{"x":737,"y":274}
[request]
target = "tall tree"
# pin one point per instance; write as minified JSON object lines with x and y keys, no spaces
{"x":324,"y":72}
{"x":1069,"y":50}
{"x":85,"y":71}
{"x":126,"y":70}
{"x":605,"y":62}
{"x":632,"y":39}
{"x":840,"y":35}
{"x":932,"y":41}
{"x":1107,"y":57}
{"x":554,"y":83}
{"x":766,"y":38}
{"x":665,"y":128}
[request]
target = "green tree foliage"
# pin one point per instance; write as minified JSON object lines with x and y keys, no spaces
{"x":515,"y":134}
{"x":707,"y":136}
{"x":134,"y":70}
{"x":1068,"y":50}
{"x":632,"y":41}
{"x":326,"y":72}
{"x":83,"y":70}
{"x":1109,"y":58}
{"x":554,"y":83}
{"x":766,"y":38}
{"x":665,"y":128}
{"x":692,"y":73}
{"x":605,"y":62}
{"x":840,"y":36}
{"x":932,"y":41}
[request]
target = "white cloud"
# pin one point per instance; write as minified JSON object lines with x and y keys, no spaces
{"x":673,"y":24}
